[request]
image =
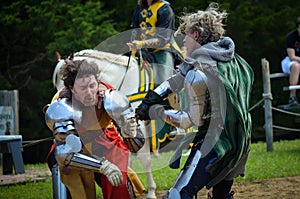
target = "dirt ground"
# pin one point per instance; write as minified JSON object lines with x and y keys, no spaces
{"x":277,"y":188}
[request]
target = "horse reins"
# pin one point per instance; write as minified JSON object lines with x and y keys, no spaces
{"x":133,"y":37}
{"x":127,"y":66}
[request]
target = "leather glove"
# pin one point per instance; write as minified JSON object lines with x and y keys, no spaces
{"x":142,"y":111}
{"x":112,"y":172}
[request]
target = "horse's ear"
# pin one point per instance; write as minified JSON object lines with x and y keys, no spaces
{"x":71,"y":56}
{"x":57,"y":56}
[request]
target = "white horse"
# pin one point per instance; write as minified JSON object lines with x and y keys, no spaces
{"x":132,"y":80}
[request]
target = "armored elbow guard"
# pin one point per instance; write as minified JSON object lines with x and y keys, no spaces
{"x":196,"y":93}
{"x":68,"y":155}
{"x":63,"y":151}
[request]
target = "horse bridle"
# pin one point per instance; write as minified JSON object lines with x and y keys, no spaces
{"x":133,"y":37}
{"x":127,"y":66}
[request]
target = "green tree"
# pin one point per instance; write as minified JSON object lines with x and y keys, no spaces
{"x":30,"y":33}
{"x":32,"y":30}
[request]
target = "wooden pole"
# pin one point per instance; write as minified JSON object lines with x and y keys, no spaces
{"x":267,"y":95}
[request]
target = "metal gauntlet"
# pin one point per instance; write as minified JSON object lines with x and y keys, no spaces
{"x":67,"y":155}
{"x":85,"y":162}
{"x":177,"y":118}
{"x":119,"y":109}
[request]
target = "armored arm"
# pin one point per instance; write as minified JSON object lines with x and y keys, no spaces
{"x":175,"y":83}
{"x":60,"y":117}
{"x":155,"y":100}
{"x":68,"y":155}
{"x":196,"y":93}
{"x":119,"y":109}
{"x":194,"y":83}
{"x":156,"y":97}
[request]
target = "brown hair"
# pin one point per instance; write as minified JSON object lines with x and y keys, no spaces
{"x":77,"y":69}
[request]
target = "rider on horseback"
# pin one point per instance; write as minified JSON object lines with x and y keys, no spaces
{"x":154,"y":21}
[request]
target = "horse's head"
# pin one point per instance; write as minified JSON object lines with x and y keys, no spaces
{"x":58,"y":56}
{"x":56,"y":80}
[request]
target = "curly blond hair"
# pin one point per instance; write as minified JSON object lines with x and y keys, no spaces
{"x":208,"y":23}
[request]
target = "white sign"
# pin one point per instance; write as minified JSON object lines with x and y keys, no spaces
{"x":6,"y":120}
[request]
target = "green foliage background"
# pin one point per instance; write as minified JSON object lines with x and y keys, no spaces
{"x":32,"y":30}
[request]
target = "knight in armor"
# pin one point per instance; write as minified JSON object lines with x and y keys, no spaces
{"x":217,"y":90}
{"x":154,"y":23}
{"x":84,"y":117}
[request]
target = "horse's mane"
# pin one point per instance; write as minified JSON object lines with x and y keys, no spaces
{"x":114,"y":58}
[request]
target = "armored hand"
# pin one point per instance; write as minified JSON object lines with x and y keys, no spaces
{"x":112,"y":172}
{"x":128,"y":123}
{"x":119,"y":109}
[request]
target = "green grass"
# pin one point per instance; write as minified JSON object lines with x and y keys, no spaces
{"x":282,"y":162}
{"x":30,"y":190}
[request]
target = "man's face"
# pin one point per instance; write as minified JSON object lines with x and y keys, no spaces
{"x":190,"y":42}
{"x":85,"y":90}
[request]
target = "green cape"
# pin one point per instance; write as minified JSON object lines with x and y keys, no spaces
{"x":235,"y":139}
